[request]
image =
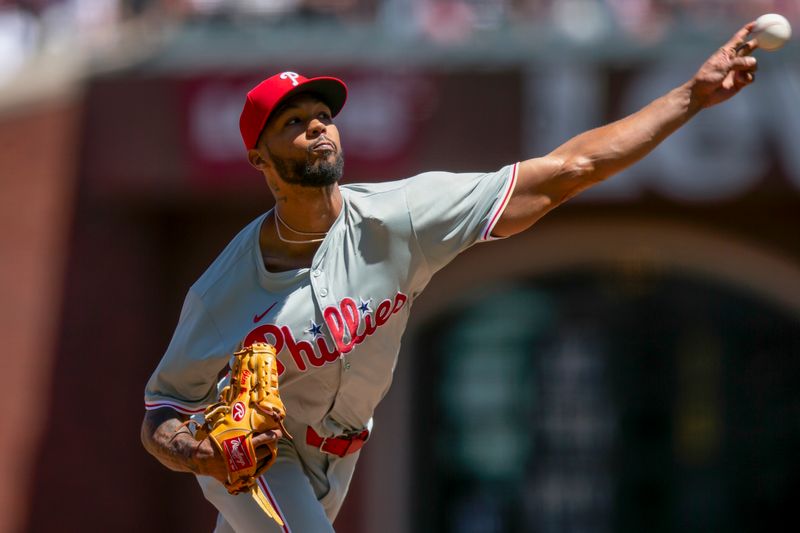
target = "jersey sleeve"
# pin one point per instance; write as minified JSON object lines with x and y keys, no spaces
{"x":186,"y":377}
{"x":451,"y":212}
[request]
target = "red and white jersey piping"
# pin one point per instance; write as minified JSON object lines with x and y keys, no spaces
{"x":271,"y":497}
{"x":181,"y":408}
{"x":505,"y":196}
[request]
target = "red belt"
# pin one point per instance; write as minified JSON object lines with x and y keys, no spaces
{"x":340,"y":446}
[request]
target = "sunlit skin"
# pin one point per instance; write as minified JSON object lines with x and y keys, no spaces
{"x":300,"y":130}
{"x":546,"y":182}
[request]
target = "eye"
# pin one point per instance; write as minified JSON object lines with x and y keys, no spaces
{"x":324,"y":115}
{"x":292,"y":121}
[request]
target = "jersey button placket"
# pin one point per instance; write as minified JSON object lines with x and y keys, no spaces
{"x":318,"y":283}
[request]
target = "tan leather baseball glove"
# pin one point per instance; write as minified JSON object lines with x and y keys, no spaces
{"x":249,"y":405}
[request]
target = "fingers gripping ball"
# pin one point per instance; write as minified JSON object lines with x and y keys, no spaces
{"x":771,"y":31}
{"x":249,"y":405}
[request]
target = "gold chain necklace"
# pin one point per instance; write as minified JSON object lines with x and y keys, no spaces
{"x":278,"y":220}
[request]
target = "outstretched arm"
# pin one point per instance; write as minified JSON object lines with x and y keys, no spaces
{"x":546,"y":182}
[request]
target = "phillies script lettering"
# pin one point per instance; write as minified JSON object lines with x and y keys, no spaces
{"x":347,"y":325}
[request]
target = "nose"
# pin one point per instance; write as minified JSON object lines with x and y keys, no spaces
{"x":316,"y":128}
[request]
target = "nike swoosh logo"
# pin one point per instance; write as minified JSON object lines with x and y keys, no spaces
{"x":257,"y":318}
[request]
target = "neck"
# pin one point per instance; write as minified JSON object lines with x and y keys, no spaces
{"x":308,"y":209}
{"x":305,"y":209}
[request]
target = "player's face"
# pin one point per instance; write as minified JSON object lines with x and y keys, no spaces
{"x":302,"y":143}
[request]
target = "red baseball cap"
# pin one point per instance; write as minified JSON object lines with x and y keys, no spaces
{"x":265,"y":97}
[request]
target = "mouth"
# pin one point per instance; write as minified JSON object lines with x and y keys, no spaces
{"x":322,"y":146}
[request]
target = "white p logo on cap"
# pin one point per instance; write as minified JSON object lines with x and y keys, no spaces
{"x":291,"y":76}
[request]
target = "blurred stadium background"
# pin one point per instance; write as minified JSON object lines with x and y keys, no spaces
{"x":631,"y":364}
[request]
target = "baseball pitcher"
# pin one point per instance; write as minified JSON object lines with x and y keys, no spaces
{"x":308,"y":303}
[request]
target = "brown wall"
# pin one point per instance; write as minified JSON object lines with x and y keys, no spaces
{"x":37,"y":182}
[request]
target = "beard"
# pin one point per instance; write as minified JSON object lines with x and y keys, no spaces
{"x":313,"y":172}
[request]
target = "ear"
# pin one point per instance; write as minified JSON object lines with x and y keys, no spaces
{"x":256,"y":160}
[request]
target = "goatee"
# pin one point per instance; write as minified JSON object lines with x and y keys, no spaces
{"x":313,"y":172}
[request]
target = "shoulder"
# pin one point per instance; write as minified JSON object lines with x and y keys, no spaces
{"x":372,"y":199}
{"x":235,"y":255}
{"x":378,"y":207}
{"x":357,"y":191}
{"x":388,"y":190}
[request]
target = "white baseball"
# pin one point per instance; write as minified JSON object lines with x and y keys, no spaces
{"x":772,"y":31}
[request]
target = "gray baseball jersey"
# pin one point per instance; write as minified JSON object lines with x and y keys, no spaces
{"x":336,"y":326}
